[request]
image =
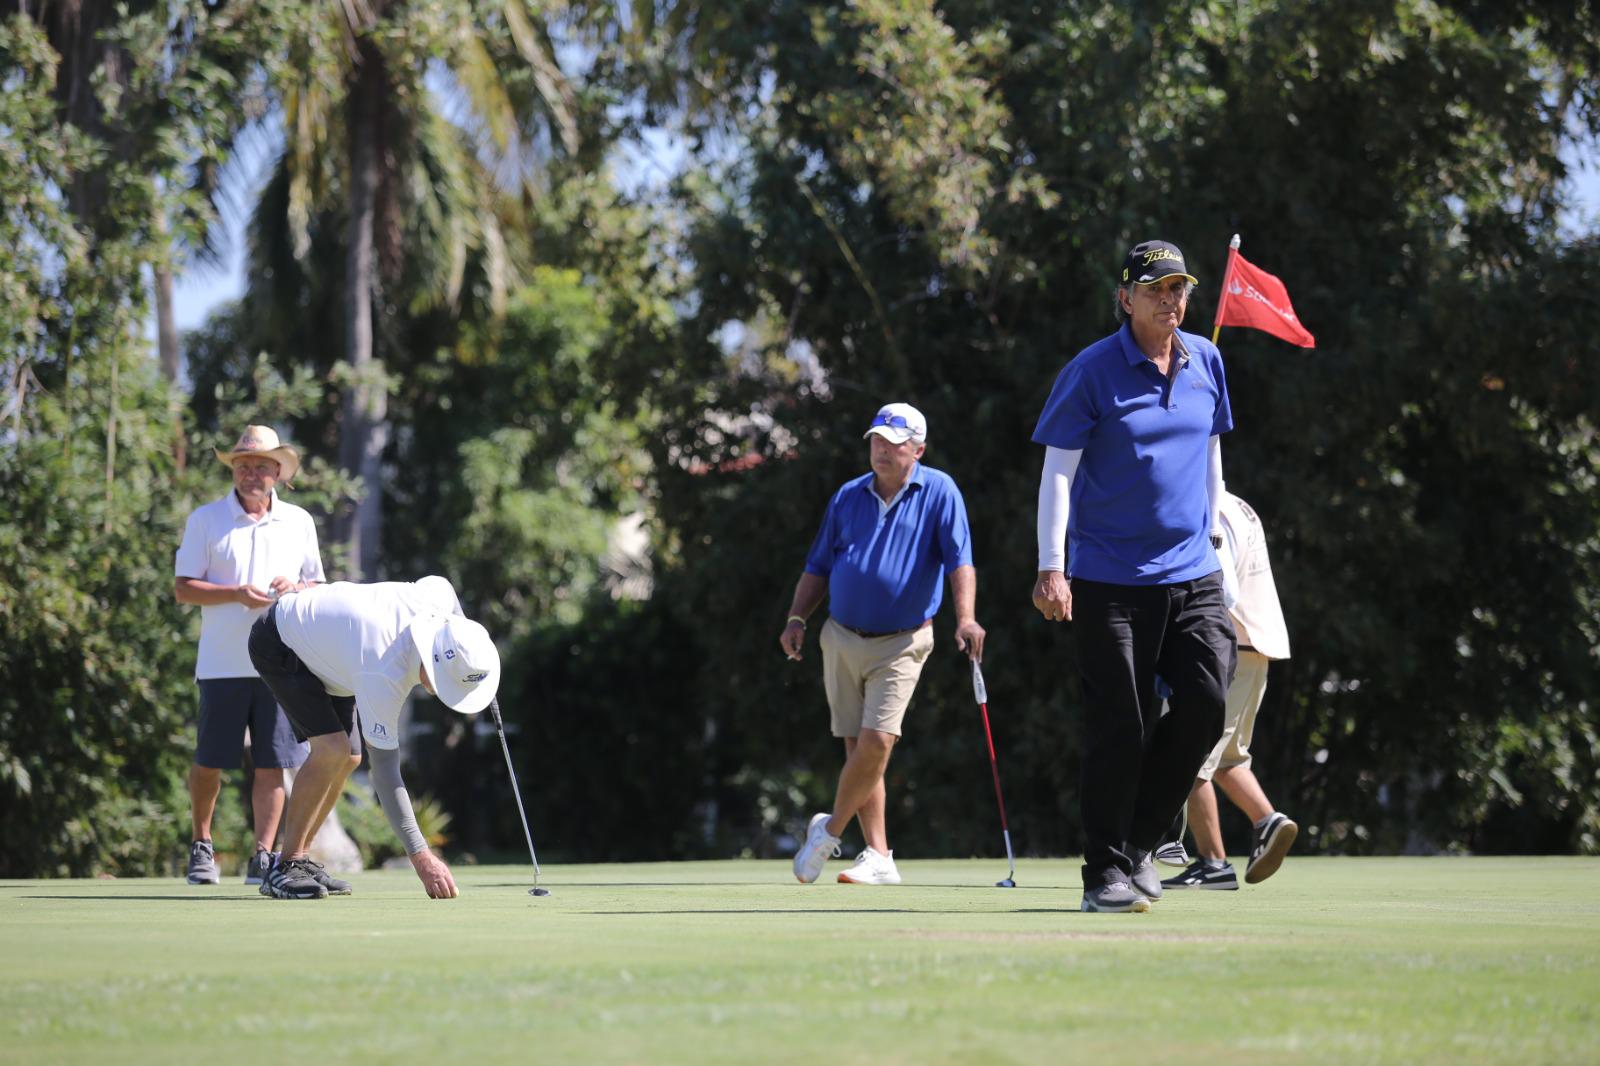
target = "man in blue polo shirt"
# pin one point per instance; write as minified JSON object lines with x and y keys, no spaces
{"x":1132,"y":481}
{"x":887,"y":539}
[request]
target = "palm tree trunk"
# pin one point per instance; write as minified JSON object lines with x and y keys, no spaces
{"x":167,"y":337}
{"x":363,"y":432}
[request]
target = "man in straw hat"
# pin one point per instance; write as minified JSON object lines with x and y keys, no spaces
{"x":237,"y":553}
{"x":327,"y":649}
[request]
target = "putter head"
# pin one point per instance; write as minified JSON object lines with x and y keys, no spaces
{"x":538,"y":891}
{"x":1007,"y":883}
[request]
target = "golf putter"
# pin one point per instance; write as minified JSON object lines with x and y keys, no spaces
{"x":981,"y":692}
{"x":499,"y":727}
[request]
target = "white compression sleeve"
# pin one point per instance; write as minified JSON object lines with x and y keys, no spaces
{"x":1055,"y":491}
{"x":393,"y":799}
{"x":1214,"y":483}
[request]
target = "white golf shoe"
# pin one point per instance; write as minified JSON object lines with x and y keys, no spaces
{"x":820,"y":846}
{"x":872,"y":868}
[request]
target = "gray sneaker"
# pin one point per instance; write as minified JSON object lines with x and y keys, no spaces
{"x":293,"y":879}
{"x":1115,"y":898}
{"x":320,"y":874}
{"x":203,"y":864}
{"x":1145,"y":880}
{"x":259,"y":866}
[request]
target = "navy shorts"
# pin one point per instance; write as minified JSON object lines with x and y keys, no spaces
{"x":311,"y":709}
{"x":227,"y":705}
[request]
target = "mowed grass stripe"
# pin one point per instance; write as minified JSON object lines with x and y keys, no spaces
{"x":1332,"y":960}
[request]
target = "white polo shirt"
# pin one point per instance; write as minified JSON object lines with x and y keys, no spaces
{"x":224,"y":545}
{"x":354,"y":638}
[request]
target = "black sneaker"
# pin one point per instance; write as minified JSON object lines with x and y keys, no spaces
{"x":334,"y":886}
{"x":260,"y":864}
{"x":1115,"y":898}
{"x":1145,"y":880}
{"x":293,"y":879}
{"x":202,"y":864}
{"x":1274,"y":834}
{"x":1199,"y":875}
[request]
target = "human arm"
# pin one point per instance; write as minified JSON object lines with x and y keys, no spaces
{"x":964,"y":592}
{"x":396,"y":803}
{"x":1214,"y":483}
{"x":1051,"y":593}
{"x":199,"y":593}
{"x":808,"y":593}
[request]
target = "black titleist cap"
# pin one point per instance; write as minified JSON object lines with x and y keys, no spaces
{"x":1151,"y":261}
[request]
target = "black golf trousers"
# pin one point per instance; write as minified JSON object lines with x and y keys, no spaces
{"x":1138,"y":764}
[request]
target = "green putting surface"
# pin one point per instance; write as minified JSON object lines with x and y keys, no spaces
{"x":1332,"y":960}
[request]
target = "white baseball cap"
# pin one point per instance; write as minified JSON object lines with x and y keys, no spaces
{"x":898,"y":423}
{"x":461,"y":660}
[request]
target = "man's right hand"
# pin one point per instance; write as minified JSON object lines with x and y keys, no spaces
{"x":435,"y":875}
{"x":791,"y":639}
{"x":253,"y":597}
{"x":1052,"y":595}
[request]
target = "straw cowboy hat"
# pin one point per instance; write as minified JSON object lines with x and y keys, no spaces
{"x":263,"y":441}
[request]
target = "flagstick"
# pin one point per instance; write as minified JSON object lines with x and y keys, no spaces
{"x":1227,"y":276}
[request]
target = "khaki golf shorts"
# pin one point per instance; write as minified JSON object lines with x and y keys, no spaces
{"x":1239,"y":721}
{"x":870,"y":679}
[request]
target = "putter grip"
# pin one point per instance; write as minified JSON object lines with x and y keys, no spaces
{"x":980,"y":692}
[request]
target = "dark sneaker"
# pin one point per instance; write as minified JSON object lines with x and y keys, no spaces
{"x":334,"y":886}
{"x":293,"y":879}
{"x":1145,"y":880}
{"x":203,"y":864}
{"x":1115,"y":898}
{"x":1200,"y":875}
{"x":259,"y":866}
{"x":1274,"y":834}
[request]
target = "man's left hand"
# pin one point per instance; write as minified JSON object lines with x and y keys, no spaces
{"x":969,"y":638}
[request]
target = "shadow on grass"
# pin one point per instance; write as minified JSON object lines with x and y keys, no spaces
{"x":174,"y":898}
{"x":784,"y":910}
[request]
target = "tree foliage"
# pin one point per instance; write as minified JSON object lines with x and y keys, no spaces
{"x":886,"y":199}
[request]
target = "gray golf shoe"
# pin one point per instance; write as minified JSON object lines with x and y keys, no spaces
{"x":1145,"y":880}
{"x":203,"y":864}
{"x":259,"y":866}
{"x":1115,"y":898}
{"x":293,"y":879}
{"x":320,"y":874}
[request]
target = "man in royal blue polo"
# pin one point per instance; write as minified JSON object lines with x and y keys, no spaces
{"x":1132,"y":482}
{"x":887,"y":540}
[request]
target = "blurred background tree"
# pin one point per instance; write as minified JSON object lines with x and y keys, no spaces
{"x":636,"y":275}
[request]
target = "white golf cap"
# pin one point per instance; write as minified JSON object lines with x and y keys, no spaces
{"x":898,"y":423}
{"x":460,"y":658}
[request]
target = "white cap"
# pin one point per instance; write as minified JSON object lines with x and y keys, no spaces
{"x":461,"y":660}
{"x":898,"y":423}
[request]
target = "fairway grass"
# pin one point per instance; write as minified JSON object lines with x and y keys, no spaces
{"x":1333,"y":960}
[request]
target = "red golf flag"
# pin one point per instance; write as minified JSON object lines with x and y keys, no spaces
{"x":1253,"y":298}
